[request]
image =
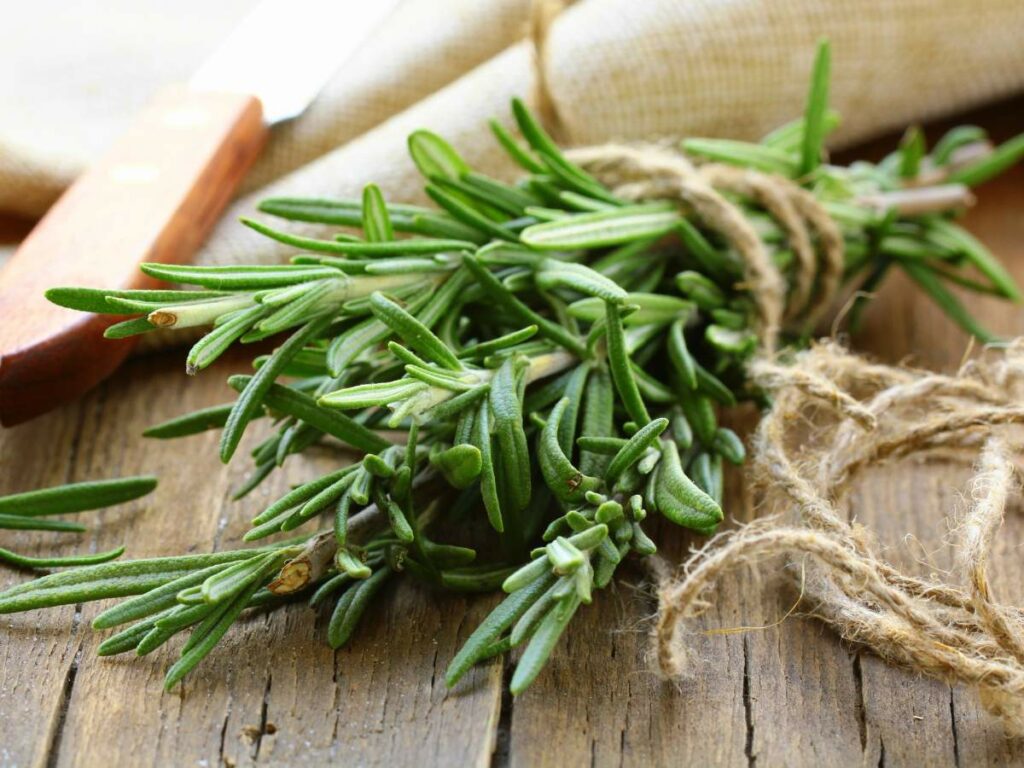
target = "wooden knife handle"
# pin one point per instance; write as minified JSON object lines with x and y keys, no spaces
{"x":154,"y":197}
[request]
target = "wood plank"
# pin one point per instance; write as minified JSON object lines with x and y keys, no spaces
{"x":601,"y":702}
{"x":274,"y":693}
{"x":39,"y":653}
{"x":907,"y":719}
{"x":251,"y":699}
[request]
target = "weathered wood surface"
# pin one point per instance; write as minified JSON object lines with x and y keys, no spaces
{"x":274,"y":694}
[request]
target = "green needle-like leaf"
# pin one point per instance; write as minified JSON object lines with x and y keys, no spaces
{"x":238,"y":278}
{"x":251,"y":398}
{"x":435,"y":157}
{"x":481,"y":440}
{"x":603,"y":228}
{"x":395,"y":248}
{"x":1005,"y":156}
{"x":413,"y":332}
{"x":376,"y":220}
{"x":621,"y":369}
{"x":815,"y":114}
{"x":76,"y":497}
{"x":949,"y":303}
{"x":543,"y":643}
{"x":24,"y":561}
{"x":193,"y":423}
{"x":348,"y":613}
{"x":634,"y":448}
{"x":763,"y":158}
{"x":567,"y":482}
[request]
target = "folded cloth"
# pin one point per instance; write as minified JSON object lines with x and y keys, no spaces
{"x":664,"y":69}
{"x":613,"y":69}
{"x":75,"y":72}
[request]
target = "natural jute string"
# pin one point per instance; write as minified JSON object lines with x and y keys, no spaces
{"x":650,"y":172}
{"x":834,"y":415}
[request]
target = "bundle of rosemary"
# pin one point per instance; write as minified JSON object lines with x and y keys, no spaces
{"x":548,"y":354}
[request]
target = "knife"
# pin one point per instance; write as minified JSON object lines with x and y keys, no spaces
{"x":156,"y":194}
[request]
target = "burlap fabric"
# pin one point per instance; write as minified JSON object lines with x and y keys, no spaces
{"x":75,"y":72}
{"x":615,"y":69}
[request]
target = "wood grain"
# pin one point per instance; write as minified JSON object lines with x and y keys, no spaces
{"x":274,"y":694}
{"x":153,"y":197}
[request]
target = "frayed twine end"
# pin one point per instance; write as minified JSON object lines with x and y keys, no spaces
{"x":860,"y":415}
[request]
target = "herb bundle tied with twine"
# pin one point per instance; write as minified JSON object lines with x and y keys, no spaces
{"x":529,"y":371}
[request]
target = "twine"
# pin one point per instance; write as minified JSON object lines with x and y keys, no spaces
{"x":861,"y":415}
{"x":834,"y":415}
{"x":651,"y":172}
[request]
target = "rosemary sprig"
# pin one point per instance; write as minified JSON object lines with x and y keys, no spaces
{"x":550,"y":356}
{"x":31,"y":511}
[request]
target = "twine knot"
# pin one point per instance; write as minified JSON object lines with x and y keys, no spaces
{"x":649,"y":172}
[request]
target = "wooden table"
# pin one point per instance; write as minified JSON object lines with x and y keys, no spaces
{"x":273,"y":693}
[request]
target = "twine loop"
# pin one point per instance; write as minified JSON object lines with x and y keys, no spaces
{"x":651,"y":172}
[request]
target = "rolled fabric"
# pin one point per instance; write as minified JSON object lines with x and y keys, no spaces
{"x":459,"y":113}
{"x":664,"y":69}
{"x":739,"y":68}
{"x":63,"y":108}
{"x":423,"y":46}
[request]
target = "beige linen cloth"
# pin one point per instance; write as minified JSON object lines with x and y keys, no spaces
{"x":615,"y":69}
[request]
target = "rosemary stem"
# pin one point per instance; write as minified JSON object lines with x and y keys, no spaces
{"x":915,"y":201}
{"x":549,"y":364}
{"x":307,"y":566}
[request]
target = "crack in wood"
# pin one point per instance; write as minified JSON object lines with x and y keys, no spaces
{"x":224,"y":733}
{"x":956,"y":736}
{"x":263,"y":719}
{"x":500,"y":758}
{"x":748,"y":710}
{"x":860,"y":706}
{"x":336,"y":703}
{"x":52,"y":754}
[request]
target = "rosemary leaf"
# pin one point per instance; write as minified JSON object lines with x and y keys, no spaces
{"x":76,"y":497}
{"x":815,"y":114}
{"x":24,"y":561}
{"x":251,"y":398}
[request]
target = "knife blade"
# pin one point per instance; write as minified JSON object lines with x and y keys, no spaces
{"x":159,"y":190}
